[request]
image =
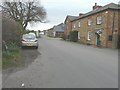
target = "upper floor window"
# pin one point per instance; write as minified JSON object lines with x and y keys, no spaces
{"x":78,"y":24}
{"x":99,"y":20}
{"x":74,"y":25}
{"x":89,"y":22}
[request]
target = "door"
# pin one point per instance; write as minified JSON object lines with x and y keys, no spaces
{"x":98,"y":42}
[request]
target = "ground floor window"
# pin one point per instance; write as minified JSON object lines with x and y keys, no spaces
{"x":78,"y":35}
{"x":89,"y":36}
{"x":110,"y":38}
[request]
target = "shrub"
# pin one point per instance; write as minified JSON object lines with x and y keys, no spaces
{"x":11,"y":31}
{"x":63,"y":37}
{"x":74,"y":36}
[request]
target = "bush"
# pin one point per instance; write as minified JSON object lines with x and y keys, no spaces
{"x":11,"y":31}
{"x":63,"y":37}
{"x":13,"y":47}
{"x":74,"y":36}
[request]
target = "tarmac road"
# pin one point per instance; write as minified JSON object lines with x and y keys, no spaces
{"x":62,"y":64}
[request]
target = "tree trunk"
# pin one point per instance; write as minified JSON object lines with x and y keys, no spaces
{"x":24,"y":27}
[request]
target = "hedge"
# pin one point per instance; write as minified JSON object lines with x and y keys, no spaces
{"x":74,"y":36}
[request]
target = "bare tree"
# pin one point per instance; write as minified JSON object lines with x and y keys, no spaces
{"x":24,"y":12}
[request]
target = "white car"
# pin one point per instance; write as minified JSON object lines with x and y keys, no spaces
{"x":29,"y":40}
{"x":32,"y":33}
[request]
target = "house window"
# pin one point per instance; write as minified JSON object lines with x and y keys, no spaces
{"x":99,"y":20}
{"x":78,"y":35}
{"x":89,"y":36}
{"x":78,"y":24}
{"x":74,"y":26}
{"x":89,"y":22}
{"x":110,"y":38}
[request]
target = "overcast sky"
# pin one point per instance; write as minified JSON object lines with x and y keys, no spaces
{"x":57,"y":10}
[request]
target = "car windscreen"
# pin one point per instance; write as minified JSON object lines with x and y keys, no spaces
{"x":29,"y":36}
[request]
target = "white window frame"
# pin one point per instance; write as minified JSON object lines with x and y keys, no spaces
{"x":89,"y":36}
{"x":89,"y":22}
{"x":99,"y":20}
{"x":74,"y":25}
{"x":78,"y":35}
{"x":79,"y":24}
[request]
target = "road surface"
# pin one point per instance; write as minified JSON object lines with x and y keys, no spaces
{"x":62,"y":64}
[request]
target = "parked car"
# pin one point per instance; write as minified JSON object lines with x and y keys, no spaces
{"x":32,"y":33}
{"x":29,"y":40}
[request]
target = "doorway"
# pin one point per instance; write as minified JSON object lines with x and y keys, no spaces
{"x":98,"y":41}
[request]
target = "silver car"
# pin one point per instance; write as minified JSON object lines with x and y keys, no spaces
{"x":29,"y":40}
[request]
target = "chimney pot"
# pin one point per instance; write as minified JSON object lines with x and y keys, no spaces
{"x":95,"y":4}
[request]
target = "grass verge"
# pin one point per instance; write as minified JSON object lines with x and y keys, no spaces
{"x":12,"y":57}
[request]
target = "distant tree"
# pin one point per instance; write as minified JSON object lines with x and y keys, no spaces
{"x":24,"y":12}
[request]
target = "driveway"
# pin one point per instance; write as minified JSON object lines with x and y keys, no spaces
{"x":62,"y":64}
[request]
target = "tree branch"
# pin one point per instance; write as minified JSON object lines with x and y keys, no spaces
{"x":24,"y":12}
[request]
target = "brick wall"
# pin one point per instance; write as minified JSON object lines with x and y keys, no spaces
{"x":108,"y":28}
{"x":67,"y":27}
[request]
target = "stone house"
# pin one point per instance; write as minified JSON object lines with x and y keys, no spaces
{"x":68,"y":25}
{"x":58,"y":30}
{"x":49,"y":32}
{"x":98,"y":27}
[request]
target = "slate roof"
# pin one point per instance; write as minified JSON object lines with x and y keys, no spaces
{"x":72,"y":17}
{"x":59,"y":28}
{"x":109,"y":6}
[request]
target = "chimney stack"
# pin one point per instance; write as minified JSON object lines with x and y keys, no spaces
{"x":96,"y":6}
{"x":80,"y":14}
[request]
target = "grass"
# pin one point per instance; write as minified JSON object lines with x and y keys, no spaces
{"x":12,"y":57}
